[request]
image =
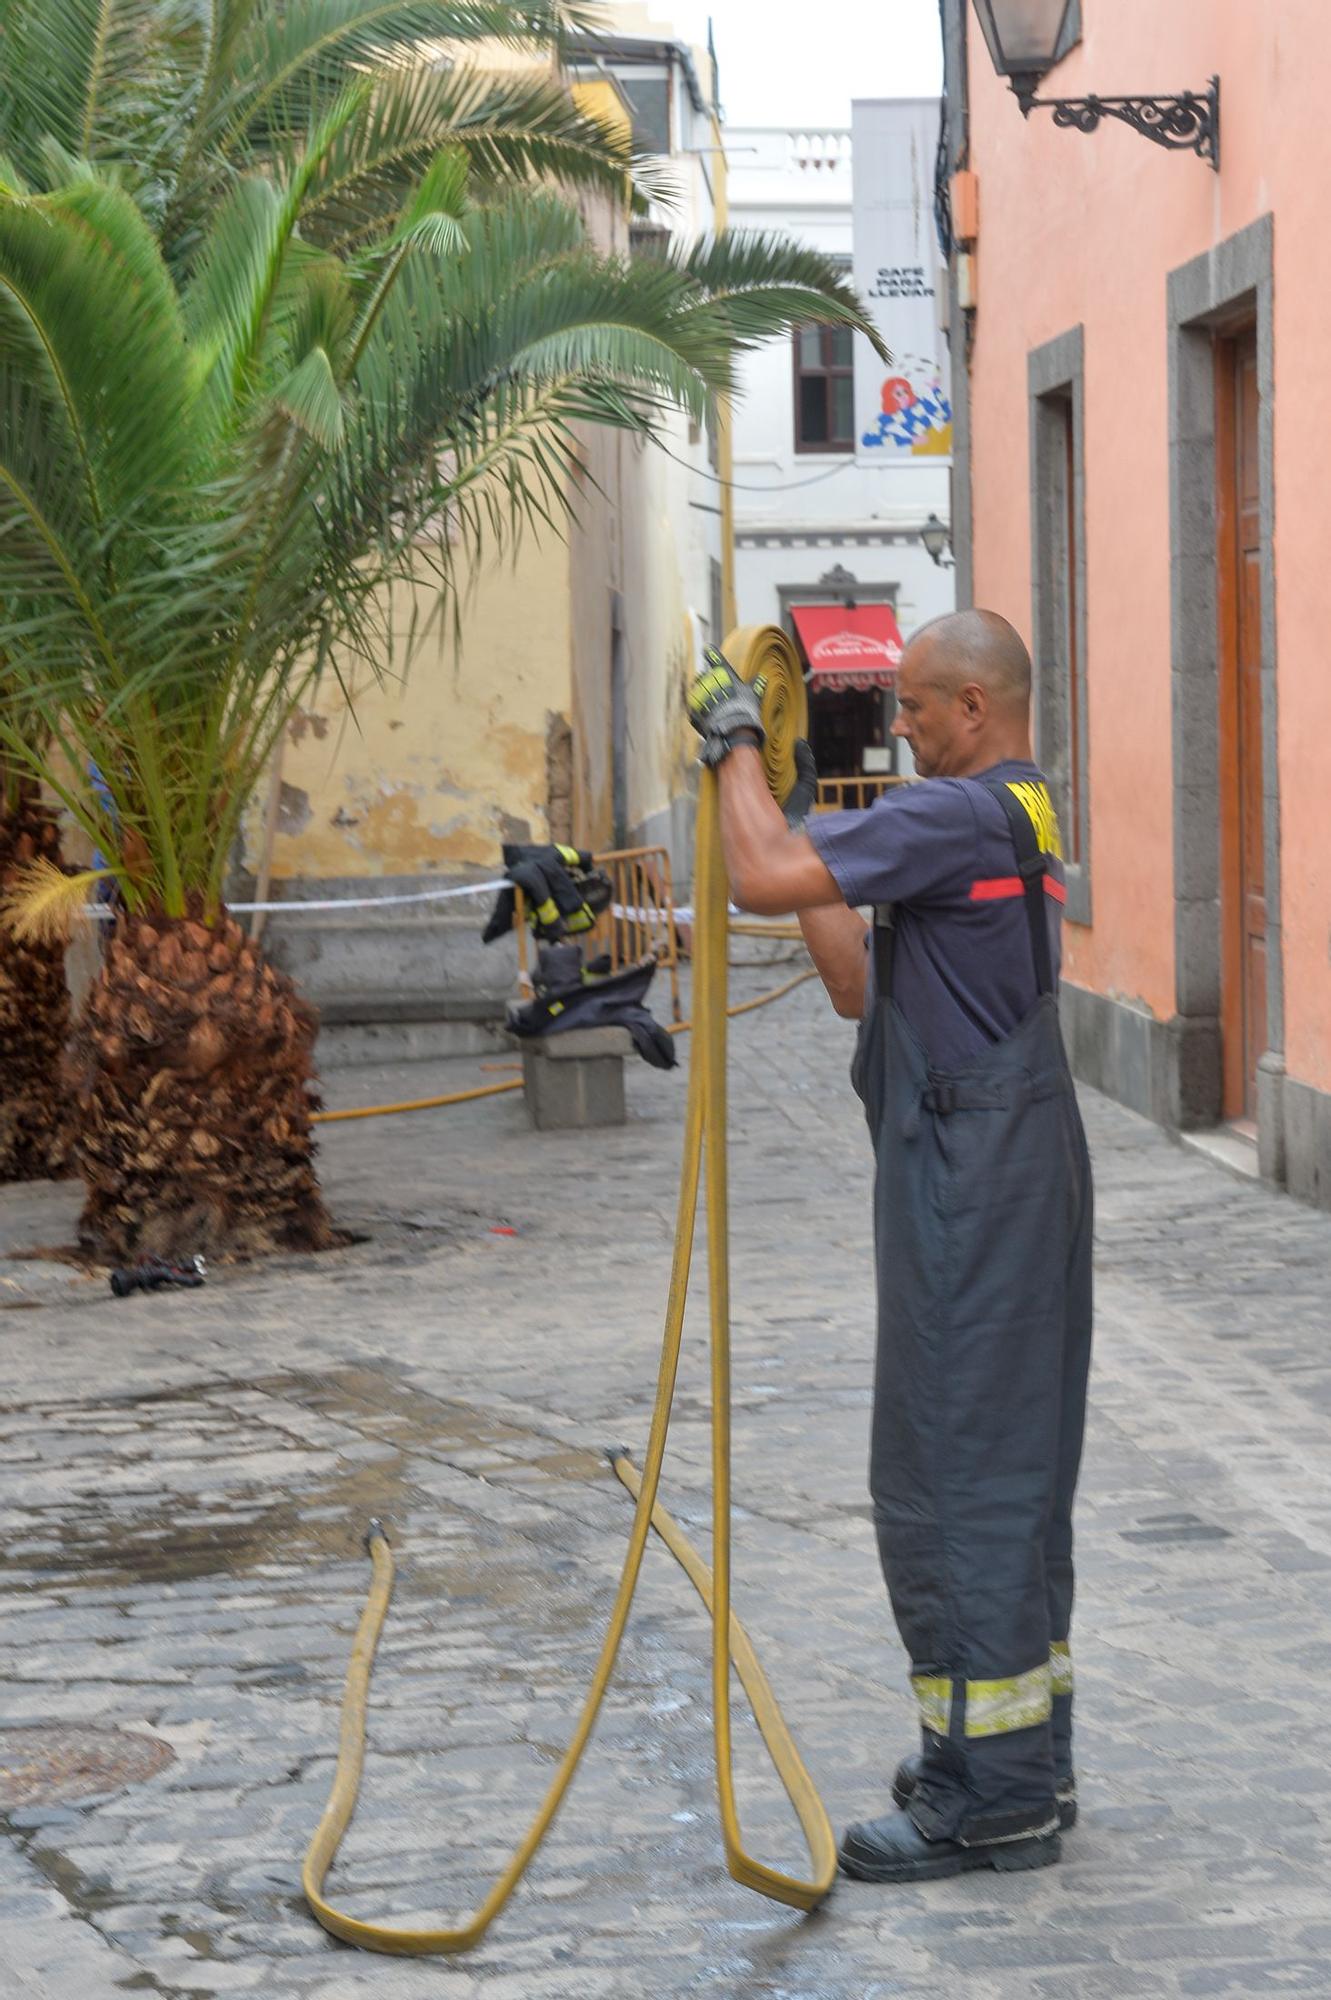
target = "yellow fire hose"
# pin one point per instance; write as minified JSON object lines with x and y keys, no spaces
{"x":753,"y":650}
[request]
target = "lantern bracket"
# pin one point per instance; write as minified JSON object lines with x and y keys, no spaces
{"x":1186,"y":123}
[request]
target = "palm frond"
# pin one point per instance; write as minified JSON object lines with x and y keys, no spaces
{"x":52,"y":608}
{"x":247,"y":253}
{"x":142,"y":58}
{"x":510,"y":127}
{"x":359,"y":351}
{"x":43,"y":903}
{"x":317,"y":307}
{"x":440,"y":199}
{"x":101,"y":79}
{"x":309,"y":396}
{"x":760,"y":282}
{"x":290,"y":53}
{"x":13,"y":183}
{"x":54,"y":50}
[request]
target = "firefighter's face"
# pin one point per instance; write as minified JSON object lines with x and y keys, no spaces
{"x":936,"y":717}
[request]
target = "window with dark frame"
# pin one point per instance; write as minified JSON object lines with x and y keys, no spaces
{"x":824,"y":389}
{"x":649,"y":104}
{"x":1066,"y":538}
{"x":1058,"y":591}
{"x":648,"y":239}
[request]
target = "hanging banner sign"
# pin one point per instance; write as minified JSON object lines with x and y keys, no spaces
{"x":903,"y":411}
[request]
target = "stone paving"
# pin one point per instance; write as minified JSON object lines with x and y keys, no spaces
{"x":185,"y":1477}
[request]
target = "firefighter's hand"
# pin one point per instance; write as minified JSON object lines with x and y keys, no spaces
{"x":724,"y":709}
{"x":798,"y":802}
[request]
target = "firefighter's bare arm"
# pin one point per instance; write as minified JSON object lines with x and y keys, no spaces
{"x":772,"y":870}
{"x":837,"y":941}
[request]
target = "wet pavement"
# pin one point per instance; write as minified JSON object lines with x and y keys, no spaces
{"x":185,"y":1479}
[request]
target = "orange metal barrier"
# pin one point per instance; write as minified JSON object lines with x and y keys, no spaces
{"x":836,"y":794}
{"x":642,"y":893}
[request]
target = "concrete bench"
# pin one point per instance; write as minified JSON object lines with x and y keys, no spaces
{"x":575,"y":1080}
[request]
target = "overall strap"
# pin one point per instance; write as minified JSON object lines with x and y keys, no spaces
{"x":884,"y":948}
{"x":1032,"y":867}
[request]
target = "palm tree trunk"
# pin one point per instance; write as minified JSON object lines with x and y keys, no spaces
{"x":34,"y":1006}
{"x":192,"y":1071}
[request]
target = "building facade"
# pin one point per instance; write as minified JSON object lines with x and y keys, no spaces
{"x":671,"y":582}
{"x":559,"y":715}
{"x":1140,"y":438}
{"x":839,"y":462}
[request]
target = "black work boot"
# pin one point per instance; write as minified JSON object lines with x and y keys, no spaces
{"x":908,"y":1776}
{"x":892,"y":1849}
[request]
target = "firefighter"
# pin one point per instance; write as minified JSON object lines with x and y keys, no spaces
{"x":982,"y":1221}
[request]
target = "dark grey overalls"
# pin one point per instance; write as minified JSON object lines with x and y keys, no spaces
{"x":982,"y":1233}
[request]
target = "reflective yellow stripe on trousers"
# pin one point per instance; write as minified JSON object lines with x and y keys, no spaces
{"x":756,"y":650}
{"x":992,"y":1708}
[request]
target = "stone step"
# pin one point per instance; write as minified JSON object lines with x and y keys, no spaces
{"x":412,"y":964}
{"x":342,"y":1044}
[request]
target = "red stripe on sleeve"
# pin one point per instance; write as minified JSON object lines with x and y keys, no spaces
{"x":999,"y":888}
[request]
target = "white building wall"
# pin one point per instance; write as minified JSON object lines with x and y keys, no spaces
{"x":673,"y":552}
{"x":800,"y":514}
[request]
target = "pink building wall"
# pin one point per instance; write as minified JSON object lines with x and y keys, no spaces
{"x":1085,"y":229}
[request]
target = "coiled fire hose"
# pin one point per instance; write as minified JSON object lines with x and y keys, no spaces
{"x":754,"y":650}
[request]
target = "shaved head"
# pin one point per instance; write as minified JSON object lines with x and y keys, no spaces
{"x":979,"y":647}
{"x":964,"y":695}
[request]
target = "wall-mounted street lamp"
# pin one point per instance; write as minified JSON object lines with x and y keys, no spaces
{"x":1028,"y":37}
{"x":937,"y":539}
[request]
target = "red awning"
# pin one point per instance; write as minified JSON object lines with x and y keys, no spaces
{"x":849,"y":649}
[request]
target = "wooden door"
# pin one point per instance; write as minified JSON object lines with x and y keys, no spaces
{"x":1242,"y":800}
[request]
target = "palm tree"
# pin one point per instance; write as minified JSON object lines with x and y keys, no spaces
{"x":177,"y":99}
{"x":34,"y":1000}
{"x":180,"y":97}
{"x":223,"y":438}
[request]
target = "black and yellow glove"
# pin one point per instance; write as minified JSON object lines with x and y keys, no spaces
{"x":724,"y":709}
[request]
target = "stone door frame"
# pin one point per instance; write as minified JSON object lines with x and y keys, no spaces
{"x":1232,"y":282}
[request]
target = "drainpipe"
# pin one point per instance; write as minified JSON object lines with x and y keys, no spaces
{"x":956,"y":155}
{"x":725,"y":450}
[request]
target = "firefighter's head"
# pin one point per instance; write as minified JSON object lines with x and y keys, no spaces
{"x":964,"y":695}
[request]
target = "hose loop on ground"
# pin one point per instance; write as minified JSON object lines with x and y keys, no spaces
{"x":752,"y":651}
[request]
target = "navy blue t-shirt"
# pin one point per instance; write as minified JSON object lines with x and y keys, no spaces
{"x":941,"y":850}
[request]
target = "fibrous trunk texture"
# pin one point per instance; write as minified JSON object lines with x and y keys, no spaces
{"x":34,"y":1010}
{"x":192,"y":1075}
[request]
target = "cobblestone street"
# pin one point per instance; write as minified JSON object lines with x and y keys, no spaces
{"x":185,"y":1479}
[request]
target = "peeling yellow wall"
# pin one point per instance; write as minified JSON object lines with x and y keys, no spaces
{"x":605,"y":520}
{"x":434,"y":773}
{"x":439,"y":768}
{"x":630,"y":543}
{"x":662,"y":639}
{"x":593,"y":572}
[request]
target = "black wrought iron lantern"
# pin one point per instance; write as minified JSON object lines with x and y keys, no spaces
{"x":1028,"y":37}
{"x":937,"y":539}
